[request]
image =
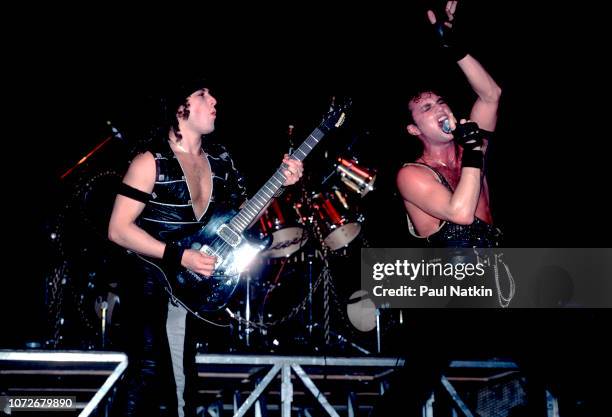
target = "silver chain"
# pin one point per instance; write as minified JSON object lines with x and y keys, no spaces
{"x":294,"y":311}
{"x":504,"y":302}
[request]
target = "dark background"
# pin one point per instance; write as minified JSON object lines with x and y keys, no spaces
{"x":68,"y":71}
{"x":67,"y":76}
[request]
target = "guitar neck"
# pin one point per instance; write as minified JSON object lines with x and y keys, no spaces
{"x":266,"y":193}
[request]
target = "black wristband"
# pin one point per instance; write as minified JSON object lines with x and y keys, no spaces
{"x":173,"y":254}
{"x":449,"y":42}
{"x":455,"y":53}
{"x":472,"y":158}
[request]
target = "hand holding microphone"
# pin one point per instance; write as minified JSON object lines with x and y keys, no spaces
{"x":469,"y":136}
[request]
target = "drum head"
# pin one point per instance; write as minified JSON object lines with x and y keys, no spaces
{"x":286,"y":242}
{"x":361,"y":311}
{"x":342,"y":236}
{"x":283,"y":221}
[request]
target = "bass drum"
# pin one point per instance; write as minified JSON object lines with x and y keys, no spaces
{"x":283,"y":222}
{"x":339,"y":224}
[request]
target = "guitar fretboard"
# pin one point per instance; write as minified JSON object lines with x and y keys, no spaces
{"x":259,"y":201}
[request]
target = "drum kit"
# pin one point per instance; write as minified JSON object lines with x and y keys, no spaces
{"x":312,"y":228}
{"x":334,"y":211}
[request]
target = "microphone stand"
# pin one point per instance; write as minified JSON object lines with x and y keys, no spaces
{"x":115,"y":134}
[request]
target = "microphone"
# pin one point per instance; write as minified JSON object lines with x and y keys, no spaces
{"x":462,"y":129}
{"x":446,"y":126}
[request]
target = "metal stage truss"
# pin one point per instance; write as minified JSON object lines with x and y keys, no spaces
{"x":89,"y":378}
{"x":262,"y":385}
{"x":294,"y":385}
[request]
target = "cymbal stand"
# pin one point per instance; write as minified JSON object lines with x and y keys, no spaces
{"x":325,"y":273}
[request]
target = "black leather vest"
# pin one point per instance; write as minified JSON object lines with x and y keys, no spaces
{"x":169,"y":214}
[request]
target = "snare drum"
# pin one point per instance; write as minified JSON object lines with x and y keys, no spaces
{"x":284,"y":223}
{"x":338,"y":223}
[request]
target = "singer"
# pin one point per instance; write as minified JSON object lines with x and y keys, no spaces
{"x":446,"y":198}
{"x":445,"y":191}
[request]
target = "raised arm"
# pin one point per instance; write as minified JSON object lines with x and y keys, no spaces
{"x":484,"y":111}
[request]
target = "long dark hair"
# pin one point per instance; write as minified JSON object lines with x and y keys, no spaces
{"x":165,"y":102}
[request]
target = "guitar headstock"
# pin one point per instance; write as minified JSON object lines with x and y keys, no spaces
{"x":337,"y":114}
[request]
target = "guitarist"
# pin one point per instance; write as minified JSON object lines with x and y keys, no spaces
{"x":165,"y":195}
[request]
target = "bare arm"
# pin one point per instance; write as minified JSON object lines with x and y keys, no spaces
{"x":418,"y":186}
{"x":122,"y":228}
{"x":484,"y":110}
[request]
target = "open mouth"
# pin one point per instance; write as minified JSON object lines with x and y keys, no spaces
{"x":444,"y":124}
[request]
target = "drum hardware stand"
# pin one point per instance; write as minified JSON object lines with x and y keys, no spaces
{"x":331,"y":174}
{"x":327,"y":278}
{"x":310,"y":324}
{"x":244,"y":333}
{"x":328,"y":288}
{"x":326,"y":274}
{"x":327,"y":291}
{"x":348,"y":342}
{"x":104,"y":308}
{"x":247,"y":312}
{"x":311,"y":255}
{"x":326,"y":284}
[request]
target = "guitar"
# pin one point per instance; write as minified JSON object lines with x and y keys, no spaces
{"x":223,"y":236}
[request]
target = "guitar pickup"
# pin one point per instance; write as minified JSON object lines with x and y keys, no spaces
{"x":229,"y":236}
